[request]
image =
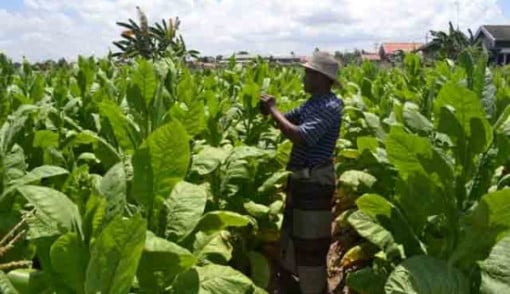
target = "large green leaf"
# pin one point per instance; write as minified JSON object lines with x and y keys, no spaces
{"x":53,"y":206}
{"x":30,"y":281}
{"x":260,"y":271}
{"x":214,"y":279}
{"x":160,"y":163}
{"x":37,"y":174}
{"x":191,"y":116}
{"x":69,"y":258}
{"x":374,"y":123}
{"x":219,"y":220}
{"x":466,"y":106}
{"x":6,"y":286}
{"x":370,"y":229}
{"x":482,"y":228}
{"x":415,"y":120}
{"x":45,"y":139}
{"x":357,"y":179}
{"x":213,"y":247}
{"x":406,"y":150}
{"x":366,"y":280}
{"x":95,"y":214}
{"x":419,"y":198}
{"x":161,"y":261}
{"x":255,"y":209}
{"x":187,"y":282}
{"x":115,"y":255}
{"x":208,"y":160}
{"x":144,"y":77}
{"x":113,"y":187}
{"x":125,"y":134}
{"x":185,"y":206}
{"x":390,"y":217}
{"x":464,"y":101}
{"x":269,"y":185}
{"x":426,"y":275}
{"x":496,"y":269}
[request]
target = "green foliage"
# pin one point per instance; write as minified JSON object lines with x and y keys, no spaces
{"x":151,"y":42}
{"x":152,"y":177}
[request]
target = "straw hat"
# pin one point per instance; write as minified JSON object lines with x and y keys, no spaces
{"x":324,"y":63}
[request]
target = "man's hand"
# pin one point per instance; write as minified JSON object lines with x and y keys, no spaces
{"x":266,"y":103}
{"x":289,"y":130}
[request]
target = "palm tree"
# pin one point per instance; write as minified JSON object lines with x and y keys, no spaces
{"x":151,"y":42}
{"x":449,"y":44}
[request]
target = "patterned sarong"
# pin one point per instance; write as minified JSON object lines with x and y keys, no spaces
{"x":306,"y":228}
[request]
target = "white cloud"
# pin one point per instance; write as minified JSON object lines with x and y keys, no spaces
{"x":65,"y":28}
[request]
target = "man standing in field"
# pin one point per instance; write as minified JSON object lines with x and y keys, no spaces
{"x":313,"y":129}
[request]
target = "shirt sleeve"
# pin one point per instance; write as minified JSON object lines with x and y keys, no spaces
{"x":293,"y":115}
{"x":319,"y":123}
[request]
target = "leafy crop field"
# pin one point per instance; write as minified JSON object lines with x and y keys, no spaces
{"x":150,"y":177}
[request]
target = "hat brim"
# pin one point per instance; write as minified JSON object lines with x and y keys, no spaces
{"x":335,"y":80}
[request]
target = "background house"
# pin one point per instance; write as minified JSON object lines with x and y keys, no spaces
{"x":495,"y":39}
{"x":387,"y":51}
{"x":373,"y":57}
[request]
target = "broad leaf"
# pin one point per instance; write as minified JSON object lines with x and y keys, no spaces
{"x":95,"y":213}
{"x":53,"y":206}
{"x":357,"y":179}
{"x":213,"y":247}
{"x":419,"y":198}
{"x":255,"y":209}
{"x":271,"y":182}
{"x":37,"y":174}
{"x":366,"y":280}
{"x":161,"y":261}
{"x":145,"y":79}
{"x":214,"y":279}
{"x":45,"y":139}
{"x":426,"y":275}
{"x":208,"y":160}
{"x":260,"y":271}
{"x":113,"y":187}
{"x":191,"y":116}
{"x":126,"y":135}
{"x":369,"y":229}
{"x":483,"y":227}
{"x":367,"y":143}
{"x":220,"y":220}
{"x":496,"y":268}
{"x":115,"y":256}
{"x":390,"y":218}
{"x":185,"y":206}
{"x":30,"y":281}
{"x":160,"y":163}
{"x":405,"y":151}
{"x":415,"y":120}
{"x":6,"y":286}
{"x":69,"y":258}
{"x":467,"y":106}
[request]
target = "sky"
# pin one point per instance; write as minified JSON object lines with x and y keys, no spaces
{"x":52,"y":29}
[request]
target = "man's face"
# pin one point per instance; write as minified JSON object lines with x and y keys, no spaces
{"x":310,"y":80}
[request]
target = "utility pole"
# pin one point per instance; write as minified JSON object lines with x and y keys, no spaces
{"x":457,"y":6}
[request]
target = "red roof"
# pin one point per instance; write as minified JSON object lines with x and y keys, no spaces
{"x":389,"y":48}
{"x":371,"y":56}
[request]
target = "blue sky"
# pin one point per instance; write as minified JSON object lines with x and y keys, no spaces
{"x":505,"y":5}
{"x":11,"y":5}
{"x":43,"y":29}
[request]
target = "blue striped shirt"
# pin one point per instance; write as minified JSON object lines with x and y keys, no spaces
{"x":319,"y":121}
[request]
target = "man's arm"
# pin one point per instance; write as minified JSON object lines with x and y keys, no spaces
{"x":289,"y":130}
